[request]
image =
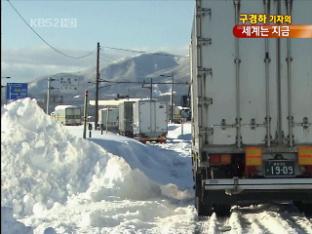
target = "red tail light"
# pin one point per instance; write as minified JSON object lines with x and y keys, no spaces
{"x":219,"y":159}
{"x":308,"y":170}
{"x":250,"y":171}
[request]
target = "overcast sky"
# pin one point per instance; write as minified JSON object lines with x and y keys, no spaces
{"x":76,"y":26}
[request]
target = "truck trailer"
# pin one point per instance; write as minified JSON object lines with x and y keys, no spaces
{"x":108,"y":118}
{"x":126,"y":118}
{"x":251,"y":108}
{"x":150,"y":121}
{"x":67,"y":114}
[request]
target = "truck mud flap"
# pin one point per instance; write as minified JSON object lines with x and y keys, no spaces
{"x":237,"y":185}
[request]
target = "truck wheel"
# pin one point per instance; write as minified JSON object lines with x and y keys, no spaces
{"x":306,"y":208}
{"x":222,"y":210}
{"x":202,"y":208}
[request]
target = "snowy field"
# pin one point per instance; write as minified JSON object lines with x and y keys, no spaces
{"x":53,"y":181}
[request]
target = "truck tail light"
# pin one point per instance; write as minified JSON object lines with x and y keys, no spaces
{"x":251,"y":171}
{"x":253,"y":156}
{"x":308,"y":170}
{"x":305,"y":155}
{"x":219,"y":159}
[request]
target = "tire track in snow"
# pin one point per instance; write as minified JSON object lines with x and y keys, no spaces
{"x":276,"y":222}
{"x":213,"y":224}
{"x":243,"y":220}
{"x":237,"y":222}
{"x":208,"y":224}
{"x":303,"y":222}
{"x":265,"y":218}
{"x":297,"y":219}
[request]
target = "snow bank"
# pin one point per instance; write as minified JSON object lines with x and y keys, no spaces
{"x":56,"y":182}
{"x":9,"y":225}
{"x":161,"y":165}
{"x":41,"y":162}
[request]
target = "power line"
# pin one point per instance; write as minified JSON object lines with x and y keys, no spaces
{"x":45,"y":41}
{"x":90,"y":53}
{"x":140,"y":82}
{"x":145,"y":52}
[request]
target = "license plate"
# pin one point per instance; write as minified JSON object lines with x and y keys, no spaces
{"x":279,"y":168}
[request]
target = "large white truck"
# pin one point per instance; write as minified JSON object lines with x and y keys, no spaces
{"x":67,"y":114}
{"x":150,"y":121}
{"x":252,"y":108}
{"x":109,"y":118}
{"x":126,"y":118}
{"x":181,"y":114}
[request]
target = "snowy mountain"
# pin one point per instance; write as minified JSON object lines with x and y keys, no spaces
{"x":69,"y":88}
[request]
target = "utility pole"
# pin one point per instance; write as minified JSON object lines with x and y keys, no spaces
{"x":97,"y":86}
{"x":172,"y":88}
{"x":151,"y":91}
{"x":85,"y":115}
{"x":172,"y":77}
{"x":48,"y":94}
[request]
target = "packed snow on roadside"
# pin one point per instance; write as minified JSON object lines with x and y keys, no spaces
{"x":55,"y":182}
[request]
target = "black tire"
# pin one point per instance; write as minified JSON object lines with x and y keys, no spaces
{"x":222,"y":210}
{"x":202,"y":208}
{"x":298,"y":204}
{"x":306,"y":208}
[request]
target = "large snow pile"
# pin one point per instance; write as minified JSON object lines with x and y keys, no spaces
{"x":56,"y":182}
{"x":175,"y":168}
{"x":9,"y":225}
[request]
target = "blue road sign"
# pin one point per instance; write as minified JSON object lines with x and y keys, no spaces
{"x":16,"y":91}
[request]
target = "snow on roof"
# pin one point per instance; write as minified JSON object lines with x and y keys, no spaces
{"x":109,"y":108}
{"x":112,"y":102}
{"x":182,"y":108}
{"x":62,"y":107}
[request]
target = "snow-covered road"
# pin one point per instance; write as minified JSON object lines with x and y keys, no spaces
{"x":53,"y":181}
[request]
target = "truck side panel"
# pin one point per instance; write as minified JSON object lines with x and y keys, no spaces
{"x":215,"y":89}
{"x":301,"y":75}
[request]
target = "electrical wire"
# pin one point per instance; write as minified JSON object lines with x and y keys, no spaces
{"x":145,"y":52}
{"x":92,"y":52}
{"x":140,"y":82}
{"x":45,"y":41}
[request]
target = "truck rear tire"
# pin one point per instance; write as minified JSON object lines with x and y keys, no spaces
{"x":222,"y":210}
{"x":202,"y":208}
{"x":306,"y":208}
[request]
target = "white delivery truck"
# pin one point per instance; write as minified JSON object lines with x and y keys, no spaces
{"x":150,"y":121}
{"x":252,"y":108}
{"x":109,"y":118}
{"x":181,"y":114}
{"x":126,"y":118}
{"x":67,"y":114}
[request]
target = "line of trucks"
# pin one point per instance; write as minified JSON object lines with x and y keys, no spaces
{"x":251,"y":109}
{"x":144,"y":120}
